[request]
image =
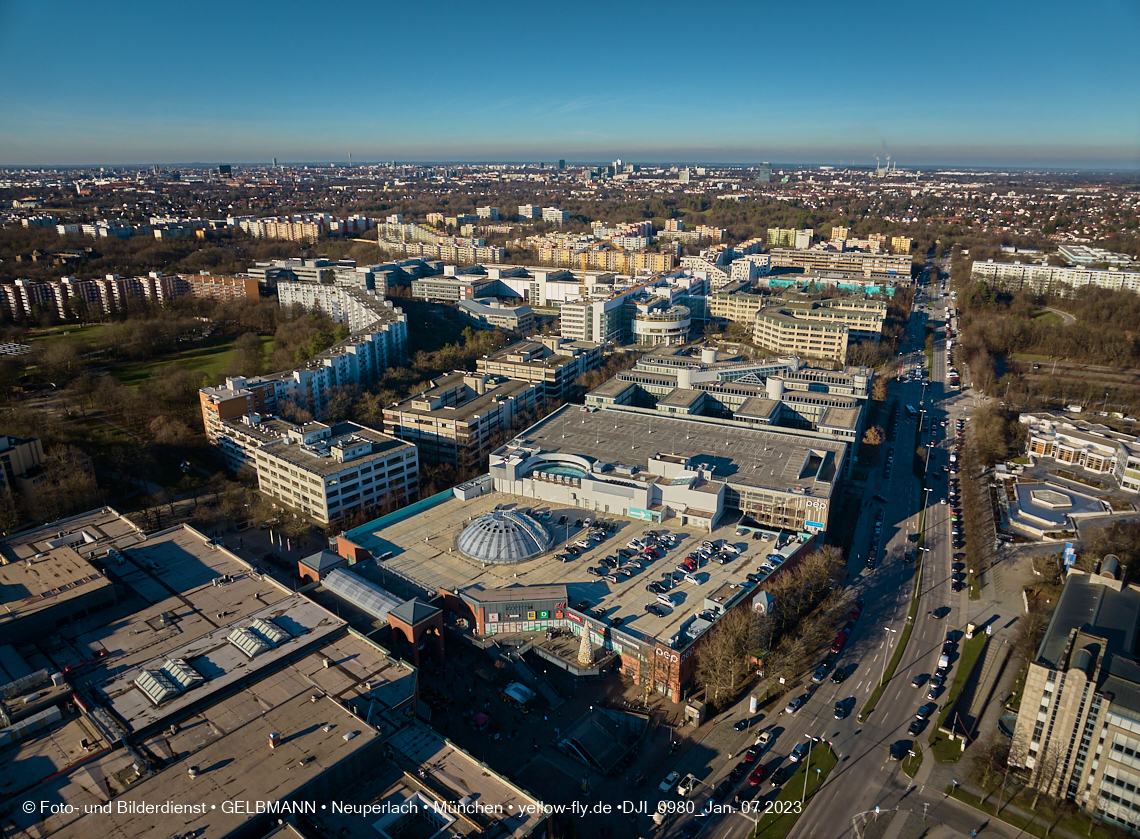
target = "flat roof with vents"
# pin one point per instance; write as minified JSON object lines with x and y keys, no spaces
{"x":225,"y":656}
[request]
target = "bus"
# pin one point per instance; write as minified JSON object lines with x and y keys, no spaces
{"x":911,"y":412}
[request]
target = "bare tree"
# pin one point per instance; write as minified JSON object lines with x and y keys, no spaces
{"x":723,"y":658}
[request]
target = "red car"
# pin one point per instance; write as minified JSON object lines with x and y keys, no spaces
{"x":839,"y":642}
{"x":758,"y":775}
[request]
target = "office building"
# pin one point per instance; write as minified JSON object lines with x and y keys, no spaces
{"x":462,"y":416}
{"x":491,"y":313}
{"x":20,"y":457}
{"x":1078,"y":730}
{"x":555,"y":363}
{"x":1089,"y":446}
{"x":1090,"y":257}
{"x":1050,"y":279}
{"x":783,"y":332}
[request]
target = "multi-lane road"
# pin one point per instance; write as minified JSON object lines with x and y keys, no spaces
{"x":865,"y":777}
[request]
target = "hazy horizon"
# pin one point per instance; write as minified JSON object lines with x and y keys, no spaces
{"x":1009,"y":86}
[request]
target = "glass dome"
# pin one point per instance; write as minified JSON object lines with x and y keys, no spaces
{"x":503,"y":536}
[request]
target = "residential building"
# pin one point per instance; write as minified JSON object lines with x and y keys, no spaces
{"x":491,"y":313}
{"x":20,"y":458}
{"x":779,"y":237}
{"x":840,"y":233}
{"x":529,"y":211}
{"x":1089,"y":446}
{"x":327,"y":472}
{"x":901,"y":244}
{"x":487,"y":213}
{"x":554,"y":215}
{"x":554,"y":362}
{"x":1050,"y":279}
{"x":833,"y":260}
{"x":378,"y":344}
{"x":1078,"y":731}
{"x":462,"y":416}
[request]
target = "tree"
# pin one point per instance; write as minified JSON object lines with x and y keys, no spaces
{"x":723,"y":658}
{"x":873,"y":436}
{"x":879,"y":389}
{"x":60,"y":361}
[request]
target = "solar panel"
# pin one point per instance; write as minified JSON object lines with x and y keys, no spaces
{"x":247,"y":642}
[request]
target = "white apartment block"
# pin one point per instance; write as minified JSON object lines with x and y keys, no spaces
{"x":555,"y":215}
{"x":1050,"y":279}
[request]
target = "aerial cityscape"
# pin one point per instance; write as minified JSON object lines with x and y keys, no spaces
{"x":401,"y":446}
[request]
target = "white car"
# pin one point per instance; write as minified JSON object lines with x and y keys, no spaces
{"x":583,"y":543}
{"x":669,"y":782}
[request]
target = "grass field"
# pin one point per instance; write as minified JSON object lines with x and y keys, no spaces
{"x":79,"y":334}
{"x":213,"y":359}
{"x":1048,"y":317}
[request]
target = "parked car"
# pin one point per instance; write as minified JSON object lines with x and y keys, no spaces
{"x":669,"y":782}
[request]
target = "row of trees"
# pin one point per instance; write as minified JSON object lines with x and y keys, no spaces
{"x":807,"y":603}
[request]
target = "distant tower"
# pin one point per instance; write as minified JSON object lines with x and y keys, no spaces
{"x":586,"y":650}
{"x":275,"y":163}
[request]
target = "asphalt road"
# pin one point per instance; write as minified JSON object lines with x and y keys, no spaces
{"x":864,"y":777}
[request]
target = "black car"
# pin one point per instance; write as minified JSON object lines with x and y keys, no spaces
{"x":626,"y":552}
{"x":916,"y":727}
{"x":838,"y":675}
{"x":740,"y":725}
{"x":899,"y":750}
{"x":781,"y":775}
{"x":573,"y":550}
{"x":561,"y":520}
{"x":608,"y":561}
{"x":738,"y":772}
{"x":654,"y":609}
{"x":564,"y":557}
{"x":880,"y":498}
{"x":594,"y":572}
{"x":617,"y":621}
{"x":925,"y":711}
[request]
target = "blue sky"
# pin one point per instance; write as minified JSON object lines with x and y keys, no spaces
{"x":1032,"y":83}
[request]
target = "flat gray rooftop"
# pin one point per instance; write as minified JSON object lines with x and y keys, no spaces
{"x":220,"y":662}
{"x":745,"y":456}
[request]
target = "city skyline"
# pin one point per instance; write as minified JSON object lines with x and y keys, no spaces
{"x":1032,"y":88}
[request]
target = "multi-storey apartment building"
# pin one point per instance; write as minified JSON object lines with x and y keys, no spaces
{"x":1078,"y":730}
{"x":69,"y":296}
{"x":901,"y":244}
{"x":463,"y":416}
{"x":1051,"y":279}
{"x":552,"y":361}
{"x":380,"y":343}
{"x":325,"y":471}
{"x":834,"y":260}
{"x":555,"y":215}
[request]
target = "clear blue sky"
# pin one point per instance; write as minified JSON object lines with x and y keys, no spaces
{"x":1007,"y":83}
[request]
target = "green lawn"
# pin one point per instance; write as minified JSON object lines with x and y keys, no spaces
{"x":777,"y":826}
{"x":213,"y":359}
{"x":910,"y":764}
{"x":1048,"y":317}
{"x":943,"y":748}
{"x":88,"y":334}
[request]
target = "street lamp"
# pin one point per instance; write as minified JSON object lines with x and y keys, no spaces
{"x":807,"y":766}
{"x":883,"y":676}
